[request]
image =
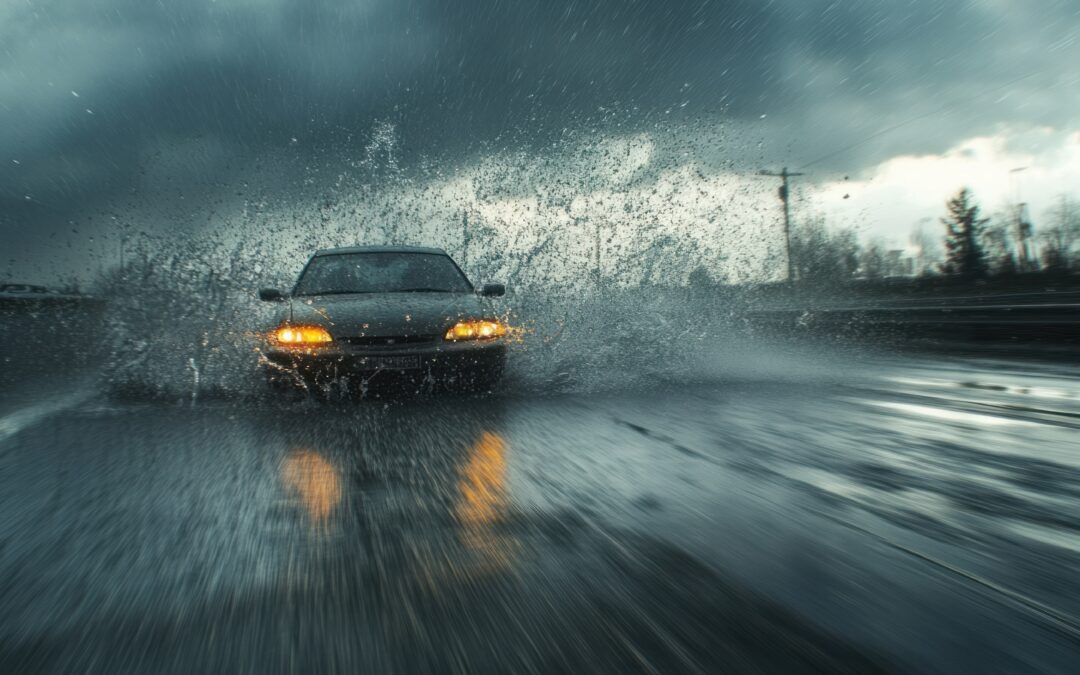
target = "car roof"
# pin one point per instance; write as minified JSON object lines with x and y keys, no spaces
{"x":380,"y":249}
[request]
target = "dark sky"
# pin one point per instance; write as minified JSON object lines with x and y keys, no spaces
{"x":92,"y":92}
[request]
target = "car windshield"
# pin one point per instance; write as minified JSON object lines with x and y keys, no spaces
{"x":381,"y":273}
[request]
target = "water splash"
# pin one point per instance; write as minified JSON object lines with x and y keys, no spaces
{"x":597,"y":238}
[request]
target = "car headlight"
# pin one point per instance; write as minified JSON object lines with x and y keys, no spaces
{"x":475,"y":330}
{"x":302,"y":336}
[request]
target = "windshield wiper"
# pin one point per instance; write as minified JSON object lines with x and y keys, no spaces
{"x":396,"y":290}
{"x":333,"y":293}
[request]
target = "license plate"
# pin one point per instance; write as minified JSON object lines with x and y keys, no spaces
{"x":410,"y":362}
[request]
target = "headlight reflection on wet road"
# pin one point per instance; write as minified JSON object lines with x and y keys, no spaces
{"x":315,"y":482}
{"x":482,"y":485}
{"x":482,"y":500}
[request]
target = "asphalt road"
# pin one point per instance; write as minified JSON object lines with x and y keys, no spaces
{"x":877,"y":514}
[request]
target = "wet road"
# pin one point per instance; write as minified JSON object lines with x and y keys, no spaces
{"x":881,"y":515}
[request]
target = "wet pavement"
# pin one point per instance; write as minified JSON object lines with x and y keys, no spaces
{"x":903,"y":515}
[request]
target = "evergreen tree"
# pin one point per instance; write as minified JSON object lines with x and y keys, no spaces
{"x":964,"y":254}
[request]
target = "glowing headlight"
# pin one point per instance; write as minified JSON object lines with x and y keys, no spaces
{"x":475,"y":330}
{"x":302,"y":335}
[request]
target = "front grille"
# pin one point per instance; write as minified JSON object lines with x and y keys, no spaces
{"x":389,"y":340}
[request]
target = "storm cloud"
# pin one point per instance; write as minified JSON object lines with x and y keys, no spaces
{"x":93,"y":93}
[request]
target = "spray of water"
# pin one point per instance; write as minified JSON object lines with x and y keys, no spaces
{"x":613,"y":256}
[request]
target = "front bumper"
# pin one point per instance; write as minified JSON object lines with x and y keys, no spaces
{"x":442,"y":362}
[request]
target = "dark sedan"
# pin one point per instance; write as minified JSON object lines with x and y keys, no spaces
{"x":363,"y":315}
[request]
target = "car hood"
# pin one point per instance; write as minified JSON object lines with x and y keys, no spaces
{"x":386,"y":314}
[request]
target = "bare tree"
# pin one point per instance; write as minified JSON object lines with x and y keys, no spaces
{"x":928,"y":258}
{"x":1061,"y":238}
{"x":998,"y":251}
{"x":872,"y":263}
{"x":819,"y":255}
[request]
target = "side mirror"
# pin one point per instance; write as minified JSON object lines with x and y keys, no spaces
{"x":493,"y":290}
{"x":271,"y":295}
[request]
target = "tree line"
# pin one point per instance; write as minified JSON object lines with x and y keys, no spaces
{"x":970,"y":246}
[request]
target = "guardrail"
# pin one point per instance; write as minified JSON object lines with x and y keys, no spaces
{"x":30,"y":301}
{"x":981,"y":321}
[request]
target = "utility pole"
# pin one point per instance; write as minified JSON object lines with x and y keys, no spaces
{"x":784,"y":193}
{"x":1023,"y":229}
